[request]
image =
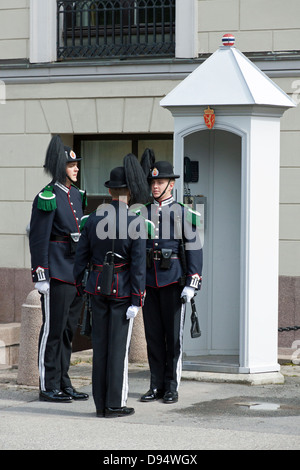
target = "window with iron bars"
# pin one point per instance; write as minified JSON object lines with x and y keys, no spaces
{"x":115,"y":28}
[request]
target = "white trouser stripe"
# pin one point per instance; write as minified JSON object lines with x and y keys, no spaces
{"x":44,"y":340}
{"x":179,"y":363}
{"x":125,"y":369}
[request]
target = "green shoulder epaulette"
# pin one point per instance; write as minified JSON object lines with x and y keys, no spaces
{"x":137,"y":208}
{"x":83,"y":222}
{"x":192,"y":216}
{"x":150,"y":226}
{"x":47,"y":199}
{"x":83,"y":196}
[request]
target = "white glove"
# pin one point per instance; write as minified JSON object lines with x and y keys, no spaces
{"x":188,"y":292}
{"x":42,"y":286}
{"x":132,"y":311}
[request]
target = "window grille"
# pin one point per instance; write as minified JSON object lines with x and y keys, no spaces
{"x":115,"y":28}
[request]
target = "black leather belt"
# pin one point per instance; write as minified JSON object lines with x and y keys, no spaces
{"x":59,"y":238}
{"x":157,"y":255}
{"x":64,"y":238}
{"x":117,"y":269}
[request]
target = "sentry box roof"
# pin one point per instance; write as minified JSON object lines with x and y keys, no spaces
{"x":227,"y":77}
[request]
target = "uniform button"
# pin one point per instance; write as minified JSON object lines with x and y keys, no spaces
{"x":98,"y":288}
{"x":114,"y":291}
{"x":74,"y":211}
{"x":155,"y":244}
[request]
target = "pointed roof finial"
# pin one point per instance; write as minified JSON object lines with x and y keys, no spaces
{"x":228,"y":40}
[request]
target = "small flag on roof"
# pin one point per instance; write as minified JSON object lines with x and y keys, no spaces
{"x":228,"y":40}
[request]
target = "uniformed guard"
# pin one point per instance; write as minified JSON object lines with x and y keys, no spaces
{"x":174,"y":273}
{"x":54,"y":233}
{"x":113,"y":244}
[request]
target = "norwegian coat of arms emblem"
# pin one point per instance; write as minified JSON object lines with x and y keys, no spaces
{"x":209,"y":117}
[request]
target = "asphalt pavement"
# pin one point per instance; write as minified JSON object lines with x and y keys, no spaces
{"x":210,"y":415}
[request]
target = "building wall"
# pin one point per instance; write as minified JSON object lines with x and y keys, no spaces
{"x":14,"y":29}
{"x":258,"y":25}
{"x":289,"y":234}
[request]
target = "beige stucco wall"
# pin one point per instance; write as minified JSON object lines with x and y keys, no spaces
{"x":258,"y":25}
{"x":14,"y":29}
{"x":289,"y":210}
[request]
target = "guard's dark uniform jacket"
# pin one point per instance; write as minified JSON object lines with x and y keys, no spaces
{"x":171,"y":222}
{"x":54,"y":232}
{"x":130,"y":256}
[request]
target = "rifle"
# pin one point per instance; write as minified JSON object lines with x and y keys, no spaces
{"x":86,"y":326}
{"x":195,"y":327}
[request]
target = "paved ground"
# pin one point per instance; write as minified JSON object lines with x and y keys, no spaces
{"x":208,"y":416}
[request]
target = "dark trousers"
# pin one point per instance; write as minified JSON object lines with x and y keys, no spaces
{"x":111,"y":334}
{"x":61,"y":311}
{"x":164,"y":321}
